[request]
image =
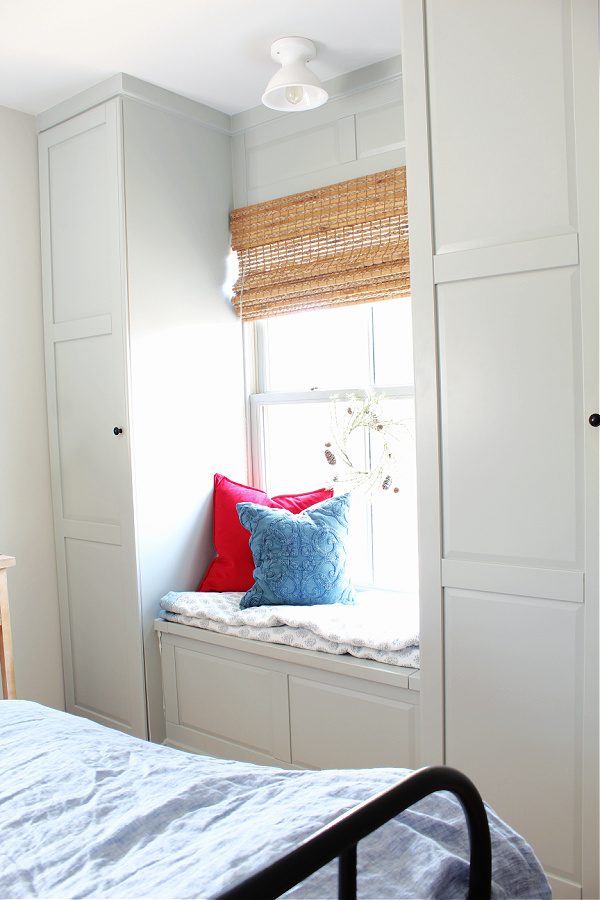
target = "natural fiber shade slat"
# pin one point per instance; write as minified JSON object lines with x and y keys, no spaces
{"x":343,"y":244}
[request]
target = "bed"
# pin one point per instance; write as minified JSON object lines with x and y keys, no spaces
{"x":89,"y":812}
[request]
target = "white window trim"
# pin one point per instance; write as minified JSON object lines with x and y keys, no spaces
{"x":258,"y":402}
{"x":257,"y":377}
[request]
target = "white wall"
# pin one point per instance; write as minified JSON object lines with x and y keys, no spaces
{"x":25,"y":502}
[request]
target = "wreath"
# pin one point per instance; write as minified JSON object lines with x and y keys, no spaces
{"x":353,"y":417}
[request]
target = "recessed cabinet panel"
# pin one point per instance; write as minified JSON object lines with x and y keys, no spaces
{"x":226,"y":698}
{"x":513,"y":701}
{"x":309,"y":151}
{"x":81,"y":218}
{"x":87,"y":403}
{"x":379,"y":130}
{"x":511,"y":406}
{"x":335,"y":727}
{"x":103,"y":630}
{"x":83,"y":269}
{"x":501,"y":120}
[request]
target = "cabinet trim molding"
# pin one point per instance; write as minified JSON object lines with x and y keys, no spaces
{"x":547,"y":252}
{"x":548,"y":584}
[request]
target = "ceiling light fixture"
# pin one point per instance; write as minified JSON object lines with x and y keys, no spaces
{"x":294,"y":87}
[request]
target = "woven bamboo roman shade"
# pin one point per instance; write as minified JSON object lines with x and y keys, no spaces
{"x":334,"y":246}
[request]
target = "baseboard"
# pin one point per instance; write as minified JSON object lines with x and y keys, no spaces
{"x":563,"y":889}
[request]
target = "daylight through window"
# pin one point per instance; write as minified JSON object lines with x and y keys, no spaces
{"x":303,"y":360}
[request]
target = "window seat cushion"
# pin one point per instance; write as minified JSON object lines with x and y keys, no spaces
{"x":381,"y":626}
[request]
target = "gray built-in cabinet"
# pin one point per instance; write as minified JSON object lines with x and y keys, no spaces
{"x":278,"y":705}
{"x":501,"y":117}
{"x":138,"y":331}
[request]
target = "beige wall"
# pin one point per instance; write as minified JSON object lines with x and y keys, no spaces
{"x":25,"y":501}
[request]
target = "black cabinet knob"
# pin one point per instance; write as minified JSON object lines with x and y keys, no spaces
{"x":117,"y":431}
{"x":594,"y":420}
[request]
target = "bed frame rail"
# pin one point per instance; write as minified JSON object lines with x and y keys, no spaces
{"x":340,"y":839}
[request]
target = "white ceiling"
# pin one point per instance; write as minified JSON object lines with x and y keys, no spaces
{"x":214,"y":51}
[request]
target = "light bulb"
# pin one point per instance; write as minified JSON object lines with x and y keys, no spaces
{"x":294,"y":94}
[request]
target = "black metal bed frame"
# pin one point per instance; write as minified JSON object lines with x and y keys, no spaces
{"x":341,"y":836}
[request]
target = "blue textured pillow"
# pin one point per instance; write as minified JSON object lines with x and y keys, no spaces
{"x":298,"y":559}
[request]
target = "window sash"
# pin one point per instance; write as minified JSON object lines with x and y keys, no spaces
{"x":260,"y":397}
{"x":259,"y":403}
{"x":258,"y":362}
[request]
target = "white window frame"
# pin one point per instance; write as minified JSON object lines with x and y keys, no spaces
{"x":259,"y":399}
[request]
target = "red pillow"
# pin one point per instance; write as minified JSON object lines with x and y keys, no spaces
{"x":233,"y":566}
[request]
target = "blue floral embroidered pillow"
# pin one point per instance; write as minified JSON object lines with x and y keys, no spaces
{"x":298,"y":559}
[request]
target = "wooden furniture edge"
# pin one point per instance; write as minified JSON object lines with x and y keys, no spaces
{"x":7,"y":670}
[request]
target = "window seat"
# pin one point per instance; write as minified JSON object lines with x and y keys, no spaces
{"x":381,"y":626}
{"x":265,"y":702}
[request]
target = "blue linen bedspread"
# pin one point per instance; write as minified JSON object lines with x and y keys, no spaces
{"x":89,"y":812}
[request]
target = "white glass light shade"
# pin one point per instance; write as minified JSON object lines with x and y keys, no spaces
{"x":293,"y":87}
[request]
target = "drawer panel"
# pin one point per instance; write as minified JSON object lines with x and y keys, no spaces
{"x":336,"y":727}
{"x":228,"y":699}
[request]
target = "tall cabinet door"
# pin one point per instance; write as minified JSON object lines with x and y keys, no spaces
{"x":84,"y":286}
{"x":501,"y":113}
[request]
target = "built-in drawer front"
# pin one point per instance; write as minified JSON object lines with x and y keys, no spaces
{"x":338,"y":727}
{"x":231,"y":700}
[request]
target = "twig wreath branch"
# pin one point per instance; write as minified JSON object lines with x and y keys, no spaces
{"x":353,"y":416}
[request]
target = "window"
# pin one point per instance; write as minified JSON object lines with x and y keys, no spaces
{"x":302,"y":360}
{"x":324,"y":287}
